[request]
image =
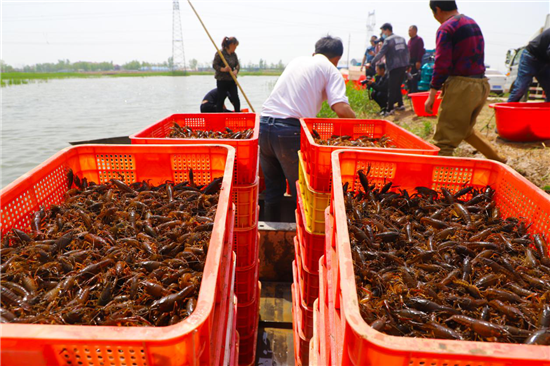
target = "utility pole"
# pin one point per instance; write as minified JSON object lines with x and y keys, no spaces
{"x":371,"y":24}
{"x":178,"y":56}
{"x":349,"y":42}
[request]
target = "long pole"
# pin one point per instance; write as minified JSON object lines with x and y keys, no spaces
{"x":223,"y":58}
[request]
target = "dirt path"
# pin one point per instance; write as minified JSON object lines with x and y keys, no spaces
{"x":532,"y":160}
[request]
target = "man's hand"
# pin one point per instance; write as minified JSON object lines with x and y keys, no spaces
{"x":225,"y":69}
{"x":361,"y":69}
{"x":343,"y":110}
{"x":417,"y":65}
{"x":235,"y":72}
{"x":429,"y":105}
{"x":370,"y":81}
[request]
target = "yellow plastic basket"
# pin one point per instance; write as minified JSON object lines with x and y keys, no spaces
{"x":314,"y":202}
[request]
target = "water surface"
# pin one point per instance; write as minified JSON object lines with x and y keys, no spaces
{"x":39,"y":119}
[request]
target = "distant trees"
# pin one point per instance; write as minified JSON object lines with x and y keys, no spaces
{"x":134,"y":65}
{"x":264,"y":65}
{"x":5,"y":68}
{"x":193,"y":63}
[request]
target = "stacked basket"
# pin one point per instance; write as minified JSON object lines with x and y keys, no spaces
{"x":202,"y":338}
{"x":344,"y":338}
{"x":313,"y":190}
{"x":245,"y":197}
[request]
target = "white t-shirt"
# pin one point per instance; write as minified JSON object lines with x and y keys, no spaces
{"x":302,"y":88}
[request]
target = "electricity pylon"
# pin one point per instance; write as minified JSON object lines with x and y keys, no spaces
{"x":371,"y":23}
{"x":178,"y":56}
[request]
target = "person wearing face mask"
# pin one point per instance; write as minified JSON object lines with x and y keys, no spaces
{"x":225,"y":83}
{"x":459,"y":70}
{"x":397,"y":60}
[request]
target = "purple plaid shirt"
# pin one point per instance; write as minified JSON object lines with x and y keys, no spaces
{"x":459,"y":50}
{"x":416,"y":49}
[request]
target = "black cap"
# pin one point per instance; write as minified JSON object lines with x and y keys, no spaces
{"x":387,"y":26}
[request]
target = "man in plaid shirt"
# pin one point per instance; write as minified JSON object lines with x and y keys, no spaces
{"x":459,"y":71}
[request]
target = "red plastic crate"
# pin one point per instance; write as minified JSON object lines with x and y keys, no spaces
{"x":231,"y":333}
{"x":314,"y":355}
{"x":522,"y":121}
{"x":246,"y":205}
{"x":248,"y":317}
{"x":247,"y":314}
{"x":246,"y":283}
{"x":312,"y":245}
{"x":335,"y":323}
{"x":419,"y":100}
{"x":230,"y":321}
{"x":331,"y":259}
{"x":248,"y":345}
{"x":303,"y":312}
{"x":235,"y":350}
{"x":246,"y":150}
{"x":246,"y":246}
{"x":515,"y":196}
{"x":309,"y":282}
{"x":301,"y":344}
{"x":317,"y":157}
{"x":323,"y":322}
{"x":198,"y":338}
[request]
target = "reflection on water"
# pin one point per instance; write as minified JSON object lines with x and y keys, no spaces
{"x":40,"y":119}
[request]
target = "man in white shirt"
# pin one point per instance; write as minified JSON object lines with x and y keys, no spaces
{"x":299,"y":93}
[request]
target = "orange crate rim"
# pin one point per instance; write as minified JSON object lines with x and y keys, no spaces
{"x":73,"y":334}
{"x":146,"y":132}
{"x":419,"y":348}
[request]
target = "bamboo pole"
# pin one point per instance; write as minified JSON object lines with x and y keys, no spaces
{"x":223,"y":58}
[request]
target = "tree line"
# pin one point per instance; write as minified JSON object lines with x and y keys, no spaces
{"x":135,"y":65}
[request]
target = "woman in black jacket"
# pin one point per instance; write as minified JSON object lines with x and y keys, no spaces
{"x":224,"y":81}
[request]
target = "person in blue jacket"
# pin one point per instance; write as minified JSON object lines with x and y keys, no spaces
{"x":534,"y":62}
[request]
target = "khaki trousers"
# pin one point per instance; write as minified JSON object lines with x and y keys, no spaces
{"x":463,"y":99}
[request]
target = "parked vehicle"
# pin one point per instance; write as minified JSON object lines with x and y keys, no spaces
{"x":497,"y":80}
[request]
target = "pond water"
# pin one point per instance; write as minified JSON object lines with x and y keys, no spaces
{"x":39,"y":119}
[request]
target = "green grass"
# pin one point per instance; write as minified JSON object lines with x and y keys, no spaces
{"x":359,"y":102}
{"x":423,"y":129}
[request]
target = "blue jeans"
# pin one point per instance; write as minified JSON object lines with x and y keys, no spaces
{"x":530,"y":66}
{"x":279,"y":145}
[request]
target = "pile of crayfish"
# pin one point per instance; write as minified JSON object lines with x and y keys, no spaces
{"x":110,"y":254}
{"x":178,"y":132}
{"x":383,"y":141}
{"x":435,"y":264}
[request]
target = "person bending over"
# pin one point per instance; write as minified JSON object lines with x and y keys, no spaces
{"x":208,"y":104}
{"x":299,"y":93}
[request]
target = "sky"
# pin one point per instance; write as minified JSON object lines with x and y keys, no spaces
{"x":122,"y":31}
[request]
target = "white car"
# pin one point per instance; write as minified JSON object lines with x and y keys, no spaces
{"x":497,"y":80}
